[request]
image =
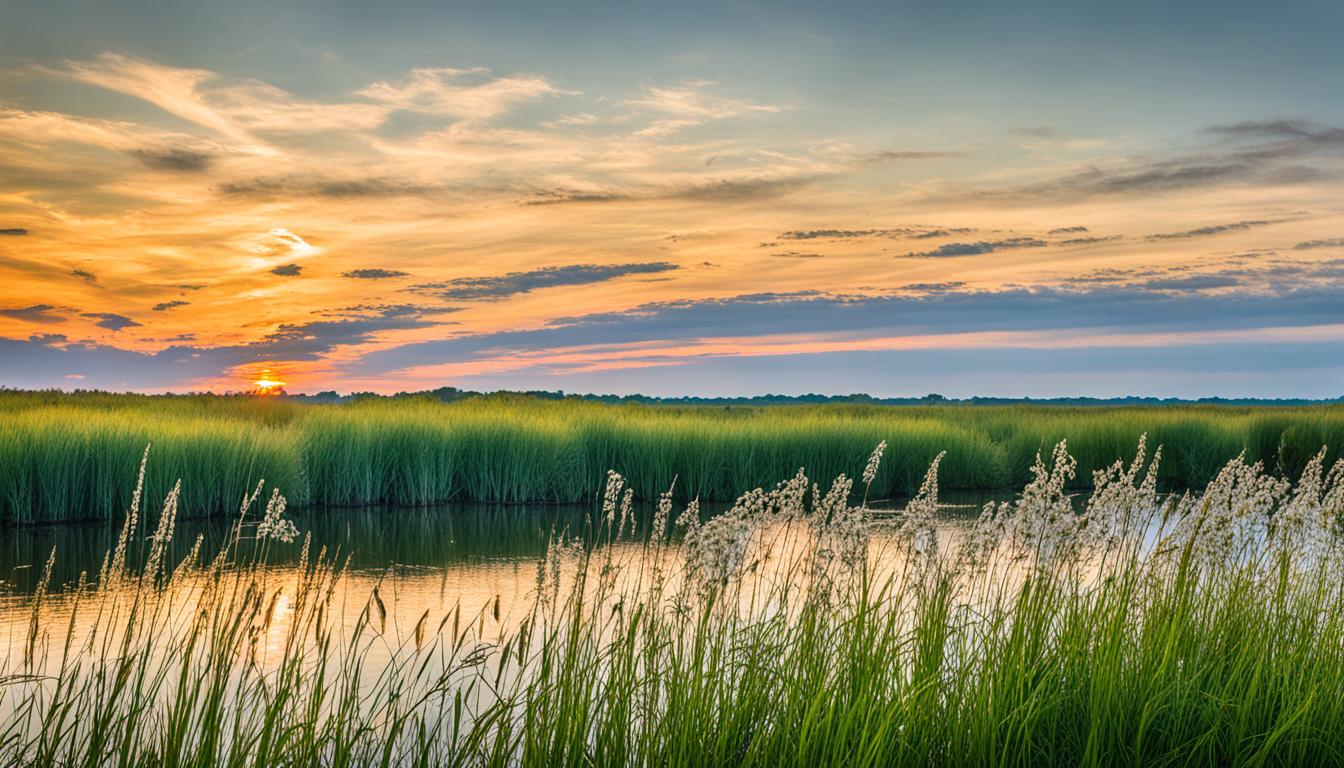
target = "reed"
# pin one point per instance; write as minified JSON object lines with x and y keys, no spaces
{"x":794,"y":629}
{"x":64,"y":457}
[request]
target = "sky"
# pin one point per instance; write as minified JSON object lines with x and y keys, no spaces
{"x":1031,"y":199}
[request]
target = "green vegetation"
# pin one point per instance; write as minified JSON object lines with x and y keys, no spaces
{"x":794,"y":629}
{"x":65,"y":456}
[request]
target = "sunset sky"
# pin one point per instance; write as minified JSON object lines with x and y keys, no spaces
{"x":722,"y":199}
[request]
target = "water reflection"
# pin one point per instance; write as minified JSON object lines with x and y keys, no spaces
{"x":372,"y":538}
{"x":480,"y":561}
{"x":459,"y":537}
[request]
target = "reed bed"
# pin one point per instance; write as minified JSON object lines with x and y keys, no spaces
{"x":797,"y":628}
{"x":64,"y":457}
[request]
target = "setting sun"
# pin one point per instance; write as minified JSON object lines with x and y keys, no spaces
{"x":268,"y":386}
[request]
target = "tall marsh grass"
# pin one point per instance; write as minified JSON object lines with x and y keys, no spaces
{"x":794,"y":629}
{"x":65,"y":456}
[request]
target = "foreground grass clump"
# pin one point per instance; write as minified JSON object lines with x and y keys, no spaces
{"x":64,"y":457}
{"x":794,"y":629}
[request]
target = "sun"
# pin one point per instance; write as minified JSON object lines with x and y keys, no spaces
{"x":267,"y":384}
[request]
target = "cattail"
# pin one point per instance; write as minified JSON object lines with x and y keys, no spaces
{"x":420,"y":630}
{"x":270,"y":611}
{"x":380,"y":609}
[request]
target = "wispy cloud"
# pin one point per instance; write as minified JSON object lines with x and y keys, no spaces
{"x":237,"y":109}
{"x":174,"y":159}
{"x":1270,"y":153}
{"x":714,"y":190}
{"x":908,"y":156}
{"x":1213,"y":229}
{"x":1333,"y":242}
{"x":1093,"y":240}
{"x":1282,"y":128}
{"x":35,"y":313}
{"x":276,"y":248}
{"x":690,"y":103}
{"x":469,"y":94}
{"x":908,"y":232}
{"x":111,"y":320}
{"x":336,"y":188}
{"x":834,"y":234}
{"x":513,"y":283}
{"x":976,"y":248}
{"x":374,"y":274}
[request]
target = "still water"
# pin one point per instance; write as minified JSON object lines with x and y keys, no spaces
{"x":479,"y":564}
{"x":481,"y":559}
{"x":473,"y":544}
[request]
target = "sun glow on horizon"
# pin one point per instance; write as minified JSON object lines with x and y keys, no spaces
{"x":268,"y":386}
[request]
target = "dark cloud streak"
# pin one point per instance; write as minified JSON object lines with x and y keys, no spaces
{"x":36,"y":313}
{"x":374,"y":274}
{"x":174,"y":159}
{"x":1216,"y":229}
{"x":950,"y":250}
{"x":1334,"y":242}
{"x":110,"y":320}
{"x":720,"y":191}
{"x":513,"y":283}
{"x":272,"y":187}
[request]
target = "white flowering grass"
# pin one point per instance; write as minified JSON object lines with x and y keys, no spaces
{"x":796,"y":628}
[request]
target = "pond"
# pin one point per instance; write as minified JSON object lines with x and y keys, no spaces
{"x":466,"y":552}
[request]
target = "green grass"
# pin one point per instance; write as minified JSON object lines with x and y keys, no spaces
{"x":65,"y":457}
{"x":1141,"y":631}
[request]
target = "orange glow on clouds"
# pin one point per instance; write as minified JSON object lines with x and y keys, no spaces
{"x":245,"y":236}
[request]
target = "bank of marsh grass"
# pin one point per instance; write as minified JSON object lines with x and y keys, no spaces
{"x":65,"y":456}
{"x":794,"y":629}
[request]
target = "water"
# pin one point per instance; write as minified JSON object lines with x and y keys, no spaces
{"x":481,"y":557}
{"x":477,"y":564}
{"x":458,"y":537}
{"x":431,"y":558}
{"x":470,"y":543}
{"x":478,"y":561}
